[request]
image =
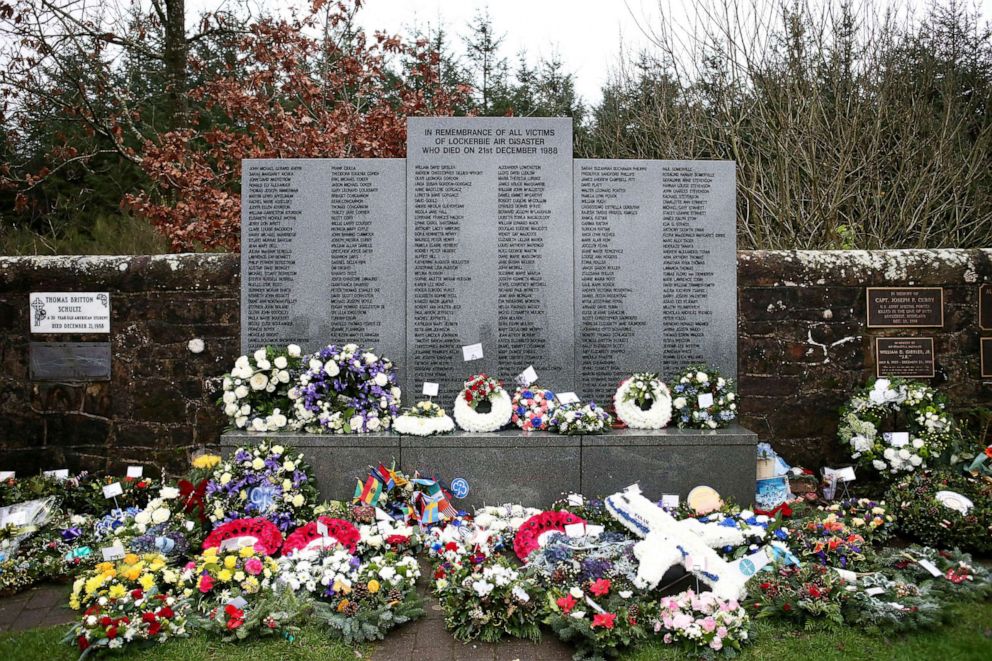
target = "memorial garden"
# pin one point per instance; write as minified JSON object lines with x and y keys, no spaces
{"x":437,"y":371}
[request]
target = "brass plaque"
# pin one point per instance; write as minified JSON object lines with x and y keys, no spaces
{"x":905,"y":357}
{"x":905,"y":307}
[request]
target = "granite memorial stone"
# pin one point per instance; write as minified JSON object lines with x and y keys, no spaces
{"x":656,"y":277}
{"x":489,"y":248}
{"x":70,"y":361}
{"x":323,"y":253}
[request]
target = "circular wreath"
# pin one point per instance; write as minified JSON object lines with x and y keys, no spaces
{"x":258,"y":533}
{"x":579,"y":418}
{"x":424,"y":419}
{"x":483,"y":405}
{"x":347,"y":390}
{"x":534,"y":531}
{"x":643,"y":402}
{"x":261,"y":480}
{"x":339,"y":532}
{"x":915,"y":408}
{"x":257,"y":391}
{"x":922,"y":516}
{"x":691,"y":390}
{"x":532,"y":408}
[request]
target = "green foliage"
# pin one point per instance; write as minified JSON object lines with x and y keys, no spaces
{"x":922,"y":517}
{"x":372,"y":621}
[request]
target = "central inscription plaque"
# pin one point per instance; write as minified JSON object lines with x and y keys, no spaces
{"x":489,"y":249}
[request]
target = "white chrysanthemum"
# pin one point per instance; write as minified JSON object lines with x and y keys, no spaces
{"x":472,"y":420}
{"x":656,"y":416}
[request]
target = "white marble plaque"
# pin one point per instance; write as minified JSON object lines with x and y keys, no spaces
{"x":70,"y":312}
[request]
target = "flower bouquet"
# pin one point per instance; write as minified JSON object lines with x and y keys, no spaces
{"x":347,"y":390}
{"x":829,"y":541}
{"x":600,"y":621}
{"x":923,"y":517}
{"x":483,"y":405}
{"x":270,"y":613}
{"x":869,"y":518}
{"x":490,"y":602}
{"x":139,"y":615}
{"x":643,"y":402}
{"x":218,"y":575}
{"x":579,"y":419}
{"x":703,"y":399}
{"x":703,"y":622}
{"x":532,"y":408}
{"x":262,"y":480}
{"x":257,"y":391}
{"x":802,"y":594}
{"x":424,"y":419}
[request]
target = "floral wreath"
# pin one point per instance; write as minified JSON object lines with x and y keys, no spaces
{"x":533,"y":533}
{"x":643,"y":402}
{"x":578,"y":418}
{"x":703,"y":399}
{"x":532,"y":408}
{"x":424,"y":419}
{"x":483,"y":405}
{"x":927,"y":426}
{"x":339,"y":532}
{"x":257,"y":392}
{"x":347,"y":390}
{"x":266,"y":536}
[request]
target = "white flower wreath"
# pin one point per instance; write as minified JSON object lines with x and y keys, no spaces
{"x":483,"y":405}
{"x":643,"y":402}
{"x":424,"y":419}
{"x":928,"y":427}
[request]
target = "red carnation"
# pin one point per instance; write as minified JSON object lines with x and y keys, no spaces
{"x":137,"y":594}
{"x":111,"y":632}
{"x":154,"y":628}
{"x":451,"y":546}
{"x":148,"y":617}
{"x":105,"y":621}
{"x":83,"y":643}
{"x":165,"y":612}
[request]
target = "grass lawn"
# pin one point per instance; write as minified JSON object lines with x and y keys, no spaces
{"x":968,"y":635}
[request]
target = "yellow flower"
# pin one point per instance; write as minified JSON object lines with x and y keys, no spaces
{"x":156,"y":564}
{"x":210,"y":552}
{"x":104,"y":567}
{"x":231,"y":561}
{"x":224,"y":575}
{"x":258,"y":463}
{"x":147,"y":581}
{"x":206,"y":461}
{"x":131,"y":559}
{"x":243,"y":495}
{"x":341,"y":588}
{"x":246,"y":551}
{"x":287,"y":485}
{"x":94,"y":583}
{"x":342,"y":605}
{"x":74,"y":603}
{"x":251,"y":585}
{"x":239,"y":576}
{"x":225,"y":478}
{"x":298,"y":500}
{"x":374,"y":586}
{"x":116,"y":591}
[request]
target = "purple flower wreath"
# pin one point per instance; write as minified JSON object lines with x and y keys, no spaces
{"x":347,"y":390}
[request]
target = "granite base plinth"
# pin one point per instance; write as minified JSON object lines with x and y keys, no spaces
{"x":534,"y":468}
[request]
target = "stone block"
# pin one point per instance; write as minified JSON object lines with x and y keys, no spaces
{"x":671,"y":461}
{"x":337,"y":459}
{"x":530,"y":468}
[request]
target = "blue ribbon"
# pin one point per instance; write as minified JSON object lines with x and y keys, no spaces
{"x":165,"y":544}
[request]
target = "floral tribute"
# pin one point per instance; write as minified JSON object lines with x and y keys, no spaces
{"x":346,"y":390}
{"x":339,"y":533}
{"x":577,"y":418}
{"x":260,"y":534}
{"x":829,"y":540}
{"x":871,"y":519}
{"x":483,"y":405}
{"x":643,"y":402}
{"x":799,"y":593}
{"x":703,"y":620}
{"x":424,"y":419}
{"x":922,"y":426}
{"x":257,"y":392}
{"x":532,"y":408}
{"x":533,"y":532}
{"x":262,"y":480}
{"x":222,"y":574}
{"x":703,"y":399}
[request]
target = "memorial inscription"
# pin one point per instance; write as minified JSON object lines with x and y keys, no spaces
{"x":489,"y":248}
{"x":70,"y":312}
{"x":323,"y":253}
{"x":905,"y":357}
{"x":905,"y":307}
{"x":656,"y":280}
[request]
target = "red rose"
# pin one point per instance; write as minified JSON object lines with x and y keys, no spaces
{"x":451,"y":546}
{"x":814,"y":592}
{"x":83,"y":643}
{"x":105,"y":621}
{"x":566,"y":603}
{"x":600,"y":587}
{"x":154,"y":628}
{"x":148,"y":617}
{"x":166,"y":613}
{"x":136,"y":594}
{"x":111,"y":632}
{"x":988,"y":451}
{"x":468,"y":396}
{"x":605,"y":620}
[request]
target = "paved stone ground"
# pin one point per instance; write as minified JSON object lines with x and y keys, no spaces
{"x":40,"y":606}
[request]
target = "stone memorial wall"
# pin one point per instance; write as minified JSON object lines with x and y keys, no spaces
{"x":490,"y":234}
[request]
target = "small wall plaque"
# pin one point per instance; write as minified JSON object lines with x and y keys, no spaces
{"x":906,"y":357}
{"x":986,"y":355}
{"x":985,"y":307}
{"x":905,"y":307}
{"x":70,"y":312}
{"x":70,"y":361}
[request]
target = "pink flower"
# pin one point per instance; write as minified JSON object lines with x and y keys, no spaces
{"x":681,"y":621}
{"x":717,"y":643}
{"x":253,"y":566}
{"x":206,"y":583}
{"x":709,"y":624}
{"x":667,"y":639}
{"x":722,"y":632}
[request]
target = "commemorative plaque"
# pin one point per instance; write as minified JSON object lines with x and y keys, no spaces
{"x":70,"y":312}
{"x":986,"y":357}
{"x":70,"y":361}
{"x":905,"y":307}
{"x":905,"y":357}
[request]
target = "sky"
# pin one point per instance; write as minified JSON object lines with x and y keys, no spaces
{"x":588,"y":35}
